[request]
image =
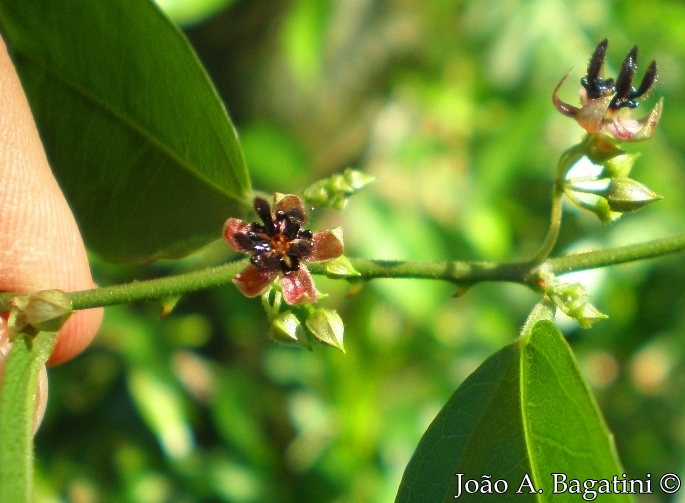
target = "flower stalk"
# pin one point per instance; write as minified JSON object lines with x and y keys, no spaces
{"x":456,"y":272}
{"x":554,"y":225}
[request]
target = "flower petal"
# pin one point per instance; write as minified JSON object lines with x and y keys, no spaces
{"x":298,"y":287}
{"x":562,"y":107}
{"x":592,"y":114}
{"x":235,"y":226}
{"x":326,"y":245}
{"x":628,"y":129}
{"x":292,"y":206}
{"x":648,"y":124}
{"x":252,"y":282}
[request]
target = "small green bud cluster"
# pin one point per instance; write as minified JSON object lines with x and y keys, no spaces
{"x":594,"y":176}
{"x":334,"y":191}
{"x":572,"y":299}
{"x":298,"y":324}
{"x":44,"y":311}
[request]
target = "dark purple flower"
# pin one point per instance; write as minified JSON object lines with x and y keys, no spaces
{"x":602,"y":99}
{"x":280,"y":247}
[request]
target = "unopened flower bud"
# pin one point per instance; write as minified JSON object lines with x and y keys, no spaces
{"x":334,"y":191}
{"x":587,"y":315}
{"x":572,"y":300}
{"x":287,"y":329}
{"x":625,"y":195}
{"x":327,"y":327}
{"x":609,"y":198}
{"x":620,"y":166}
{"x":44,"y":311}
{"x":604,"y":212}
{"x":601,"y":149}
{"x":340,"y":267}
{"x":356,"y":179}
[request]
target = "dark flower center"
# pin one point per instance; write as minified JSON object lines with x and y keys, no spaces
{"x":280,"y":243}
{"x":625,"y":94}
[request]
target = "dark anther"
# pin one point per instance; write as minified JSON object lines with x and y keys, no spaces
{"x":266,"y":262}
{"x":624,"y":88}
{"x":289,"y":226}
{"x":261,"y":246}
{"x":594,"y":67}
{"x":626,"y":95}
{"x":263,"y":209}
{"x":255,"y":229}
{"x":594,"y":82}
{"x":296,"y":216}
{"x":647,"y":81}
{"x":289,"y":264}
{"x":299,"y":248}
{"x":291,"y":230}
{"x":245,"y":240}
{"x":280,"y":243}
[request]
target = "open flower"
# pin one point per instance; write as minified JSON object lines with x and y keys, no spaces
{"x":280,"y":247}
{"x":601,"y":100}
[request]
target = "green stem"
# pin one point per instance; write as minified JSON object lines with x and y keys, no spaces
{"x":155,"y":289}
{"x":554,"y":225}
{"x":615,"y":256}
{"x":458,"y":272}
{"x":17,"y":415}
{"x":454,"y":271}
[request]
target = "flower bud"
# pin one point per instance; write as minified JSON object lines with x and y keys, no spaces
{"x":44,"y":311}
{"x":572,"y":300}
{"x":604,"y":212}
{"x":327,"y":327}
{"x":625,"y":195}
{"x":356,"y":179}
{"x":609,"y":198}
{"x":601,"y":149}
{"x":340,"y":267}
{"x":620,"y":165}
{"x":587,"y":315}
{"x":287,"y":329}
{"x":334,"y":191}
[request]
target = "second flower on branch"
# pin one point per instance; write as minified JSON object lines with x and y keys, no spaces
{"x":281,"y":247}
{"x":601,"y":99}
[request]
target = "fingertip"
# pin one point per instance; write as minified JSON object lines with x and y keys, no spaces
{"x":76,"y":334}
{"x":40,"y":244}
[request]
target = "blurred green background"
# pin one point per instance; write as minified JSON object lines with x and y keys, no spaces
{"x":448,"y":104}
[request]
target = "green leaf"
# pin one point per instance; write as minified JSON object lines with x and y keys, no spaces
{"x":17,"y":409}
{"x":186,"y":12}
{"x":134,"y":130}
{"x":525,"y":411}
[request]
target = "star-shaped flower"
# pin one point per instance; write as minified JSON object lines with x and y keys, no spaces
{"x":281,"y":247}
{"x":601,"y":100}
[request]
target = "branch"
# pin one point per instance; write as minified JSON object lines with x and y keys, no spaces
{"x":614,"y":256}
{"x":457,"y":272}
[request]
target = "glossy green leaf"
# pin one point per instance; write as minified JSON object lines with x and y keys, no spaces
{"x":17,"y":409}
{"x":134,"y":130}
{"x":526,"y":411}
{"x":186,"y":12}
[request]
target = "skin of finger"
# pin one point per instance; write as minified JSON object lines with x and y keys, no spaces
{"x":40,"y":243}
